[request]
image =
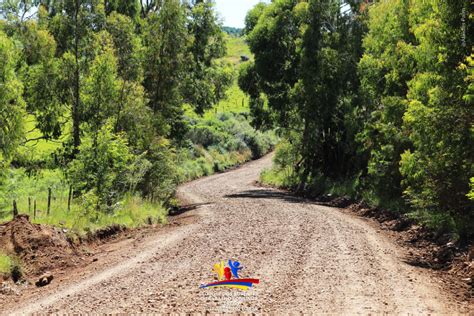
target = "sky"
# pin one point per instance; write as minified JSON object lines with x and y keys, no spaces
{"x":233,"y":12}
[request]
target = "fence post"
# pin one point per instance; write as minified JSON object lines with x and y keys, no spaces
{"x":34,"y":209}
{"x":69,"y":199}
{"x":15,"y":209}
{"x":29,"y":205}
{"x":49,"y":201}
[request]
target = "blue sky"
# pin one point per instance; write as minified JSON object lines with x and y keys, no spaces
{"x":233,"y":11}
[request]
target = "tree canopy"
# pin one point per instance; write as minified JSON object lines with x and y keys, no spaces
{"x":378,"y":95}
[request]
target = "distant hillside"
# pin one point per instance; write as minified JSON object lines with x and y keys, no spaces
{"x":232,"y":31}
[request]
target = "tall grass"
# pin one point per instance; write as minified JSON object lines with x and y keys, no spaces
{"x":132,"y":211}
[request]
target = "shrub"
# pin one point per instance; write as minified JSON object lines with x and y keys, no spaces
{"x":99,"y":167}
{"x":220,"y":142}
{"x":161,"y":177}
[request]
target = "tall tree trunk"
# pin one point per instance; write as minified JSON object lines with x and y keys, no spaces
{"x":76,"y":119}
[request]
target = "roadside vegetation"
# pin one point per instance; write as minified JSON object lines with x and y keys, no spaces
{"x":374,"y":101}
{"x":10,"y":267}
{"x":5,"y":265}
{"x":106,"y":107}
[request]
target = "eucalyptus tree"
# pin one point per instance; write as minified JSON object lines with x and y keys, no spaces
{"x":73,"y":23}
{"x":12,"y":105}
{"x":439,"y":118}
{"x":207,"y":79}
{"x":166,"y":40}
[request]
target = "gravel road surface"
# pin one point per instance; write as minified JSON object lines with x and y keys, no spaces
{"x":308,"y":258}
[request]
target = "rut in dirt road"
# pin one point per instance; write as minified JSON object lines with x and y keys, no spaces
{"x":309,"y":258}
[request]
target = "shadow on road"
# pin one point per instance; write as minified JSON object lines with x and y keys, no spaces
{"x":269,"y":194}
{"x":186,"y":208}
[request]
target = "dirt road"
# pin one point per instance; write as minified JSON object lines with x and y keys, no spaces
{"x":309,"y":258}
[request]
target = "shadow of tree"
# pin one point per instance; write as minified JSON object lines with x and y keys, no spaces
{"x":186,"y":208}
{"x":269,"y":194}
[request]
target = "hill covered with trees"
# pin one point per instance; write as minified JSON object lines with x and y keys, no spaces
{"x":232,"y":31}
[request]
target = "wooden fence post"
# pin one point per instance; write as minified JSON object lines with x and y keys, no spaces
{"x":15,"y":209}
{"x":34,"y":209}
{"x":49,"y":201}
{"x":29,"y":205}
{"x":69,"y":199}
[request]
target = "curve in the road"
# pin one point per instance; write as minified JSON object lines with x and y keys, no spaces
{"x":308,"y":258}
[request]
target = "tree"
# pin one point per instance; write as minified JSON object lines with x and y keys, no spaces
{"x":305,"y":63}
{"x":438,"y":120}
{"x":166,"y":41}
{"x":72,"y":23}
{"x":129,"y":8}
{"x":12,"y":106}
{"x":100,"y":89}
{"x":100,"y":166}
{"x":274,"y":42}
{"x":149,"y":6}
{"x":206,"y":79}
{"x":129,"y":52}
{"x":42,"y":80}
{"x":252,"y":17}
{"x":385,"y":69}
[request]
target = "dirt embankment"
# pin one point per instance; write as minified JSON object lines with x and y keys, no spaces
{"x":37,"y":249}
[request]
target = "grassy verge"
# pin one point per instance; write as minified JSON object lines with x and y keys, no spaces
{"x":131,"y":212}
{"x":5,"y":264}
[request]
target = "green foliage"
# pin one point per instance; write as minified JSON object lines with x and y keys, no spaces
{"x":130,"y":211}
{"x":100,"y":88}
{"x":5,"y":264}
{"x":207,"y":79}
{"x":252,"y":17}
{"x":10,"y":267}
{"x":12,"y":106}
{"x":283,"y":173}
{"x":218,"y":143}
{"x":470,"y":195}
{"x":22,"y":184}
{"x":127,"y":44}
{"x":437,"y":170}
{"x":42,"y":84}
{"x":166,"y":41}
{"x":377,"y":103}
{"x":160,"y":179}
{"x":129,"y":8}
{"x":100,"y":168}
{"x":274,"y":42}
{"x":305,"y":61}
{"x":119,"y":101}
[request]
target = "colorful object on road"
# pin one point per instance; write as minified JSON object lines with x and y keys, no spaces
{"x":225,"y":274}
{"x":235,"y":267}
